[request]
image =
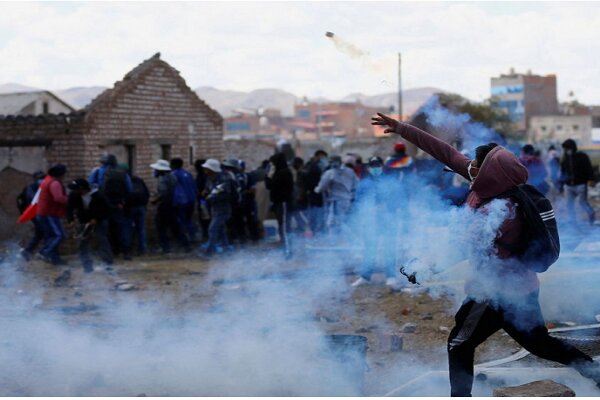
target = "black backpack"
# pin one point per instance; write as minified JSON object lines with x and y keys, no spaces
{"x":114,"y":186}
{"x":139,"y":195}
{"x":539,"y":244}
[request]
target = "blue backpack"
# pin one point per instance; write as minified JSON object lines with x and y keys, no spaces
{"x":185,"y":190}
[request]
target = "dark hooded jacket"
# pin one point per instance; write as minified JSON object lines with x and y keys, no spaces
{"x":500,"y":172}
{"x":281,"y":184}
{"x":576,"y":169}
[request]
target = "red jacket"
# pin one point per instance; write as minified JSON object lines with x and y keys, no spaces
{"x":53,"y":199}
{"x":500,"y":171}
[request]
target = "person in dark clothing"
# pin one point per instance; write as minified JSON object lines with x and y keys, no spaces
{"x":114,"y":182}
{"x":280,"y":182}
{"x":502,"y":292}
{"x":165,"y":214}
{"x":89,"y":209}
{"x":576,"y":173}
{"x":536,"y":169}
{"x":23,"y":201}
{"x":136,"y":204}
{"x":249,"y":207}
{"x":217,"y":192}
{"x":312,"y":172}
{"x":203,"y":213}
{"x":300,"y":198}
{"x":235,"y":224}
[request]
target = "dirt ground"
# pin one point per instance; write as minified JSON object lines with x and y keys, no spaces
{"x":174,"y":281}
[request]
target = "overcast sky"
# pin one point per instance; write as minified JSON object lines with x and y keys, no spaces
{"x":244,"y":46}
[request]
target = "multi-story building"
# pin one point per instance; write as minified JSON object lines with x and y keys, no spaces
{"x":523,"y":96}
{"x":558,"y":128}
{"x":343,"y":120}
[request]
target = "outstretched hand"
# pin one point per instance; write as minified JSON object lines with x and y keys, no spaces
{"x":384,"y":120}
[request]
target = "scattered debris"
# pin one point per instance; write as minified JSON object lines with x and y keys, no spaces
{"x":125,"y":286}
{"x":167,"y":282}
{"x":405,"y":311}
{"x":444,"y":329}
{"x":545,"y":388}
{"x":63,"y":278}
{"x":409,"y":328}
{"x":427,"y":317}
{"x":389,"y":342}
{"x":78,"y":309}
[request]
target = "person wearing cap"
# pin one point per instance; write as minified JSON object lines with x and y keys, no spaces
{"x":218,"y":193}
{"x":51,"y":208}
{"x":376,"y":216}
{"x":89,"y":209}
{"x":338,"y":185}
{"x":23,"y":201}
{"x":184,"y":199}
{"x":163,"y":198}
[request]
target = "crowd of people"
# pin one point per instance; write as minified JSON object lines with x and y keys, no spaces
{"x":215,"y":210}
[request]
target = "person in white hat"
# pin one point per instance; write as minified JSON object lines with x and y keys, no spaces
{"x":163,"y":198}
{"x":218,"y":193}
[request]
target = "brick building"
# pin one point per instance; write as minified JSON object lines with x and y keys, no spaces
{"x":151,"y":113}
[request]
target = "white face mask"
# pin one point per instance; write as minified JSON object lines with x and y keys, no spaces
{"x":471,"y":177}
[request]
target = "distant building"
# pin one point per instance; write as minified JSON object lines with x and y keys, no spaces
{"x":523,"y":96}
{"x":150,"y":114}
{"x":254,"y":123}
{"x":344,"y":120}
{"x":558,"y":128}
{"x":33,"y":103}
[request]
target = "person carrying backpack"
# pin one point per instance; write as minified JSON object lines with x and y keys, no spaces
{"x":503,"y":289}
{"x":184,"y":199}
{"x":136,"y":204}
{"x":116,"y":186}
{"x":165,"y":212}
{"x":23,"y":201}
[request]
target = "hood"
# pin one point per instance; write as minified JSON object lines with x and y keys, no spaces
{"x":501,"y":171}
{"x":279,"y":161}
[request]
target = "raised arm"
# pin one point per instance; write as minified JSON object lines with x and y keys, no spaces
{"x":437,"y":148}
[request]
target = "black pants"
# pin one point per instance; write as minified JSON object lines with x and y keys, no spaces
{"x":284,"y":217}
{"x":523,"y":321}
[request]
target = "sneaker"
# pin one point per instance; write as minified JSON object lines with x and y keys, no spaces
{"x":359,"y":282}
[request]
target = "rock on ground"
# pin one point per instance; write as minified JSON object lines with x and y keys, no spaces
{"x":545,"y":388}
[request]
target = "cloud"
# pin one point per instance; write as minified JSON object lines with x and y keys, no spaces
{"x":454,"y":46}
